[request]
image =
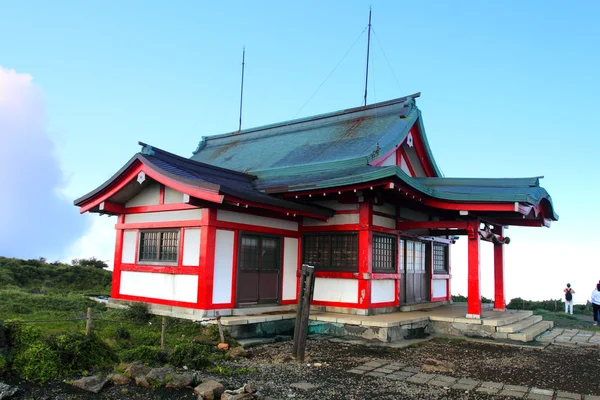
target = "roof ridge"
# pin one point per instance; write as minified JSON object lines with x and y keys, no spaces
{"x":314,"y":167}
{"x":344,"y":112}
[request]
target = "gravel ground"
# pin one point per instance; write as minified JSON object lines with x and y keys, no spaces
{"x":270,"y":369}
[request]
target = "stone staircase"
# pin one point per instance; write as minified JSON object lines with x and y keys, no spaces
{"x":520,"y":326}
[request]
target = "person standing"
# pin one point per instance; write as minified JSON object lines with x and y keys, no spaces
{"x":596,"y":304}
{"x":569,"y":292}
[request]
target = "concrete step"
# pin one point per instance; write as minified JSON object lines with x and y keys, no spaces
{"x":520,"y":325}
{"x":507,"y":319}
{"x":529,"y":334}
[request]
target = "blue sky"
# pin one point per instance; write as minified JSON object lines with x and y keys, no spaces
{"x":508,"y":89}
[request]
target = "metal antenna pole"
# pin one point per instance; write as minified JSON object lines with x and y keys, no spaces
{"x":242,"y":90}
{"x":368,"y":47}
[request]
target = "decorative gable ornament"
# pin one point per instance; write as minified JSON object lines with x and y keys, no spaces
{"x":141,"y":177}
{"x":410,"y":140}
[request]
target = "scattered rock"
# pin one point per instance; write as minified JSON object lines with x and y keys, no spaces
{"x":181,"y":380}
{"x":7,"y":391}
{"x":209,"y":390}
{"x":239,"y":396}
{"x":118,"y":379}
{"x":92,"y":384}
{"x":142,"y":381}
{"x":305,"y":386}
{"x":160,"y":374}
{"x":317,"y":364}
{"x":237,"y":352}
{"x":249,"y":388}
{"x":137,"y":369}
{"x":223,"y":346}
{"x":432,"y":365}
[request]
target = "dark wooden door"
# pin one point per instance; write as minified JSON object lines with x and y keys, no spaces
{"x":415,"y":277}
{"x":259,"y":270}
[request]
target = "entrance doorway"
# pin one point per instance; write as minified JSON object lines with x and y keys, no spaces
{"x":415,"y":280}
{"x":259,"y":270}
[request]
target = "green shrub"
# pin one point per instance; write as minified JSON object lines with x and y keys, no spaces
{"x":193,"y":355}
{"x":37,"y":362}
{"x":149,"y":355}
{"x":122,"y":333}
{"x":79,"y":352}
{"x":137,"y":312}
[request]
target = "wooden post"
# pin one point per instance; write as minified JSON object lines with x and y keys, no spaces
{"x":474,"y":272}
{"x":499,"y":293}
{"x":222,"y":345}
{"x":88,"y":321}
{"x":303,"y":331}
{"x":163,"y":332}
{"x":299,"y":310}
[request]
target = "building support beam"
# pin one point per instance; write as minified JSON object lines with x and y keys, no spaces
{"x":474,"y":272}
{"x":365,"y":260}
{"x":499,"y":298}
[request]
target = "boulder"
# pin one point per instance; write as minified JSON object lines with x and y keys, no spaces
{"x":209,"y":390}
{"x":160,"y":375}
{"x":249,"y":388}
{"x":181,"y":380}
{"x":7,"y":391}
{"x":432,"y":365}
{"x":137,"y":369}
{"x":237,"y":352}
{"x":142,"y":381}
{"x":118,"y":379}
{"x":92,"y":384}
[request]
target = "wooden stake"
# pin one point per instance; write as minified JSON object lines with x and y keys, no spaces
{"x":88,"y":321}
{"x":222,"y":345}
{"x":302,"y":335}
{"x":299,"y":311}
{"x":163,"y":332}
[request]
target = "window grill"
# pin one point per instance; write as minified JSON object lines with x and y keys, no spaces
{"x":331,"y":251}
{"x":249,"y":252}
{"x":260,"y":252}
{"x":384,"y":253}
{"x":410,"y":255}
{"x":159,"y":246}
{"x":439,"y":258}
{"x":401,"y":249}
{"x":419,"y":256}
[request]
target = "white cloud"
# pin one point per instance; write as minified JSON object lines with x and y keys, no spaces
{"x":98,"y":241}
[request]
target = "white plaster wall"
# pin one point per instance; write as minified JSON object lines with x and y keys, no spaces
{"x":160,"y":286}
{"x":191,"y":247}
{"x":386,"y":208}
{"x":339,"y":290}
{"x":290,"y":265}
{"x":438,"y":288}
{"x":230,"y":216}
{"x":172,"y":196}
{"x":391,"y":160}
{"x":129,"y":251}
{"x":340,"y":219}
{"x":383,"y":291}
{"x":164,"y":216}
{"x":384,"y":221}
{"x":223,"y":274}
{"x":335,"y":205}
{"x":404,"y":166}
{"x":149,"y":196}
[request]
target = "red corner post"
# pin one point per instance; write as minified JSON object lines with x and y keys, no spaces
{"x":364,"y":253}
{"x":474,"y":274}
{"x":499,"y":299}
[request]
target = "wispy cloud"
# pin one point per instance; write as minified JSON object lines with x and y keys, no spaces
{"x":35,"y":221}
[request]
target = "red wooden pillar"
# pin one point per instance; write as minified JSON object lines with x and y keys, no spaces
{"x":208,"y":234}
{"x":474,"y":274}
{"x":116,"y":275}
{"x":365,"y":259}
{"x":499,"y":298}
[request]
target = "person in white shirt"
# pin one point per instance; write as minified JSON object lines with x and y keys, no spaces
{"x":569,"y":292}
{"x":596,"y":304}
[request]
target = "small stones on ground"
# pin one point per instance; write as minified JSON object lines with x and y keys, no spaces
{"x":238,"y":396}
{"x":209,"y":390}
{"x":92,"y":384}
{"x":375,"y":364}
{"x":432,"y":365}
{"x":305,"y":386}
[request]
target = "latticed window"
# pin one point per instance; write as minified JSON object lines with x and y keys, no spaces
{"x":419,"y":256}
{"x":384,"y":253}
{"x":410,"y":255}
{"x":159,"y":245}
{"x":401,"y":249}
{"x":415,"y":256}
{"x":331,"y":251}
{"x":440,"y":263}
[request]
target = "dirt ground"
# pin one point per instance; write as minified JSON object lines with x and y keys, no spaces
{"x":271,"y":371}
